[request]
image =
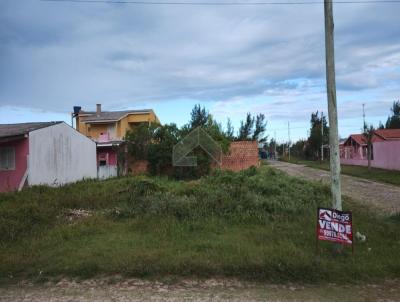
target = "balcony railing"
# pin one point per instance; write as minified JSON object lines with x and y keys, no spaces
{"x":103,"y":138}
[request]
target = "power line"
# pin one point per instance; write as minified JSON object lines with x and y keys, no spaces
{"x":187,"y":3}
{"x":305,"y":127}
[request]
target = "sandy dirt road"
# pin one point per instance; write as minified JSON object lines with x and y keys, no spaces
{"x":384,"y":196}
{"x":189,"y":290}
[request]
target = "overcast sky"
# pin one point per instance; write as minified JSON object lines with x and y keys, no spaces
{"x":260,"y":59}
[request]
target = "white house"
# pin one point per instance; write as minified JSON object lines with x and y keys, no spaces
{"x":50,"y":153}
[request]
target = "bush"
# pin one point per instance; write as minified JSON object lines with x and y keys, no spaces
{"x":257,"y":223}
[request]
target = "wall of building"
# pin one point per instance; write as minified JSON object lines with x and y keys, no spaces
{"x":107,"y":153}
{"x":110,"y":156}
{"x":354,"y":162}
{"x":95,"y":130}
{"x":104,"y":172}
{"x":387,"y":155}
{"x":58,"y":155}
{"x":120,"y":127}
{"x":138,"y":167}
{"x":11,"y":179}
{"x":140,"y":118}
{"x":125,"y":124}
{"x":81,"y":126}
{"x":242,"y":155}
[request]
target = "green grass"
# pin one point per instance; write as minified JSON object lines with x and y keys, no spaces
{"x":256,"y":224}
{"x":380,"y":175}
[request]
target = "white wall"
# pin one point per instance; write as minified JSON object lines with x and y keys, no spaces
{"x":59,"y":154}
{"x":104,"y":172}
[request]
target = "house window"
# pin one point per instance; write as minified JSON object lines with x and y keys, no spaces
{"x":365,"y":152}
{"x":102,"y":162}
{"x":7,"y":158}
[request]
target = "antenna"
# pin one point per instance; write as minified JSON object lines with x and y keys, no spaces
{"x":363,"y":114}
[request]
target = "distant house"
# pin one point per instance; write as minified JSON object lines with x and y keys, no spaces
{"x":385,"y":150}
{"x":108,"y":129}
{"x":50,"y":153}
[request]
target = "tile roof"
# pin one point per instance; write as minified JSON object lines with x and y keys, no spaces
{"x":388,"y":134}
{"x":110,"y":115}
{"x":359,"y":139}
{"x":380,"y":135}
{"x":8,"y":130}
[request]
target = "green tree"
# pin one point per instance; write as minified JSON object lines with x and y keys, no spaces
{"x":253,"y":128}
{"x":155,"y":143}
{"x":393,"y":121}
{"x":316,"y":139}
{"x":230,"y":130}
{"x":259,"y":129}
{"x":160,"y":151}
{"x":298,"y":148}
{"x":198,"y":117}
{"x":246,"y":128}
{"x":140,"y":139}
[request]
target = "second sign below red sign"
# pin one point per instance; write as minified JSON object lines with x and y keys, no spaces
{"x":335,"y":226}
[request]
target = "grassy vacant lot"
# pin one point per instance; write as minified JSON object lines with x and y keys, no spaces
{"x":257,"y":224}
{"x":381,"y":175}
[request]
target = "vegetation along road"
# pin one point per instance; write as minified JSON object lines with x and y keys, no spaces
{"x":255,"y":227}
{"x":384,"y":196}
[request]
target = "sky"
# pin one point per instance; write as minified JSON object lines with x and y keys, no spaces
{"x":266,"y":59}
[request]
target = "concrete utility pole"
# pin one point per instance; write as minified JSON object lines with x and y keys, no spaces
{"x":322,"y":134}
{"x":332,"y":107}
{"x":275,"y":145}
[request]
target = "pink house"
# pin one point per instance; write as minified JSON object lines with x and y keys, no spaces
{"x":385,"y":150}
{"x":49,"y":153}
{"x":13,"y":163}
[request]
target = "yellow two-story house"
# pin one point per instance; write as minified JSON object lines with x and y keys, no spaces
{"x":108,"y":129}
{"x":103,"y":126}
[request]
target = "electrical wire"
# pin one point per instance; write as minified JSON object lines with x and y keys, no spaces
{"x":187,"y":3}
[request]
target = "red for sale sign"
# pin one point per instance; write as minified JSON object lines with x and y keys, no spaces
{"x":334,"y":225}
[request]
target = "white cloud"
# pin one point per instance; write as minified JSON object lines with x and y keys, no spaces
{"x":56,"y":55}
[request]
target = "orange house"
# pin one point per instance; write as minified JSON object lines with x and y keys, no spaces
{"x":108,"y":129}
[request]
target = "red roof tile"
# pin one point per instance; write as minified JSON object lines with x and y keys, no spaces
{"x":358,"y":138}
{"x":388,"y":134}
{"x":380,"y":135}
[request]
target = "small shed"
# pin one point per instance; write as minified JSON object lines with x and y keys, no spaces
{"x":47,"y":153}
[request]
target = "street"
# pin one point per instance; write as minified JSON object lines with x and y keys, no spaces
{"x":383,"y":196}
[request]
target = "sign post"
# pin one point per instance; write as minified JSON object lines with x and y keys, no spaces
{"x":335,"y":226}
